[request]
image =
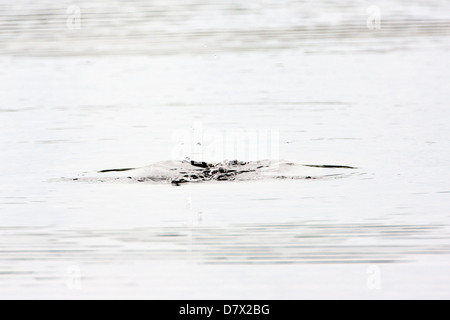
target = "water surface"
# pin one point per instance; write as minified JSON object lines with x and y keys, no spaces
{"x":122,"y":88}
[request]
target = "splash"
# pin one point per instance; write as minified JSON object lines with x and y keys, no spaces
{"x":189,"y":171}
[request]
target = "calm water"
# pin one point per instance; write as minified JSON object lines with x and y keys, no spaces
{"x":116,"y":84}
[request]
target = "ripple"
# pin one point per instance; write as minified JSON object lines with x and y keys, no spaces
{"x":195,"y":27}
{"x":293,"y":243}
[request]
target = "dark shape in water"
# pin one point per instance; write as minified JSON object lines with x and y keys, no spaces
{"x":328,"y":166}
{"x":116,"y":170}
{"x":180,"y":172}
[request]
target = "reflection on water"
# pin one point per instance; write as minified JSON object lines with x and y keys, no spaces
{"x":309,"y":242}
{"x":196,"y":26}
